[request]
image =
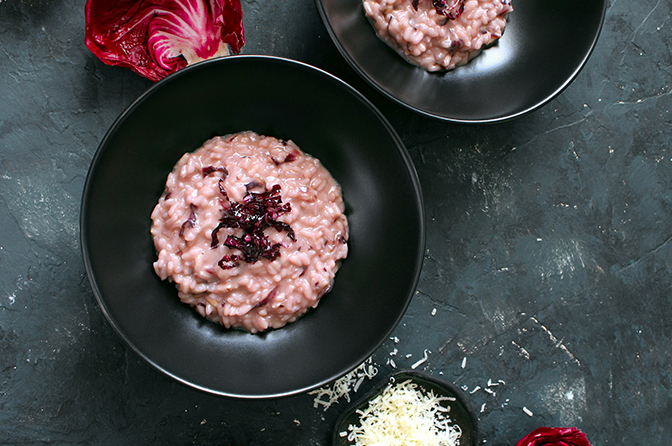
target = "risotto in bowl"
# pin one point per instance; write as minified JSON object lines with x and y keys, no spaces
{"x":436,"y":34}
{"x":249,"y":241}
{"x":238,"y":254}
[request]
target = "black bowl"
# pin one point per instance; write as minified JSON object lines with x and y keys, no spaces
{"x":544,"y":46}
{"x":327,"y":119}
{"x":461,"y":413}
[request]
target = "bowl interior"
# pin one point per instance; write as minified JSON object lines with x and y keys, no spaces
{"x":544,"y":46}
{"x":327,"y":119}
{"x":460,"y":411}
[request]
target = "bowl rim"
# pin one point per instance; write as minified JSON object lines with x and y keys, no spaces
{"x":416,"y":376}
{"x":372,"y":82}
{"x":85,"y":230}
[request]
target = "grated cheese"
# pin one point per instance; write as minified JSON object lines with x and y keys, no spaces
{"x":328,"y":395}
{"x":421,"y":361}
{"x":404,"y":415}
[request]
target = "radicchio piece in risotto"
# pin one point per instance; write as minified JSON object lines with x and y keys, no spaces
{"x":251,"y":230}
{"x":438,"y":34}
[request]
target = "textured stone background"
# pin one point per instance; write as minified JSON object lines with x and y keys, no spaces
{"x":549,"y":253}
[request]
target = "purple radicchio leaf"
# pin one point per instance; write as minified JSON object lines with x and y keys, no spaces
{"x":191,"y":220}
{"x":453,"y":10}
{"x":210,"y":169}
{"x":157,"y":37}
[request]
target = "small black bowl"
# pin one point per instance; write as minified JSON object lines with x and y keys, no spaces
{"x":460,"y":411}
{"x":544,"y":46}
{"x":327,"y":119}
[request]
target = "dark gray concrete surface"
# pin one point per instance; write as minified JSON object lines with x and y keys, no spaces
{"x":548,"y":261}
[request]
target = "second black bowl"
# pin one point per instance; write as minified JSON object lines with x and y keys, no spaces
{"x":544,"y":46}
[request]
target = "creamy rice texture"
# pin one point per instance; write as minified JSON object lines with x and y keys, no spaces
{"x":261,"y":294}
{"x":436,"y":41}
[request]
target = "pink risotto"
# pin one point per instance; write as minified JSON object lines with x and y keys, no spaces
{"x":251,"y":230}
{"x":438,"y":34}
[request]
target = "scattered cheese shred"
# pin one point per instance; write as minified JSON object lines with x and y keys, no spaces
{"x":404,"y":415}
{"x":328,"y":395}
{"x":421,"y":361}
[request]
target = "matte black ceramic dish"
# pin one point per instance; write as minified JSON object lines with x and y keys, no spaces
{"x":327,"y":119}
{"x":544,"y":46}
{"x":460,"y":411}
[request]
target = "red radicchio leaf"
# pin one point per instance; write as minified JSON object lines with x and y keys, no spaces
{"x":157,"y":37}
{"x":288,"y":159}
{"x":554,"y":436}
{"x":441,"y":7}
{"x":210,"y":169}
{"x":268,"y":298}
{"x":452,"y":11}
{"x":190,"y":222}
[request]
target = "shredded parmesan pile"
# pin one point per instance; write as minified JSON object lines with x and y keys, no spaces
{"x":328,"y":395}
{"x":404,"y":415}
